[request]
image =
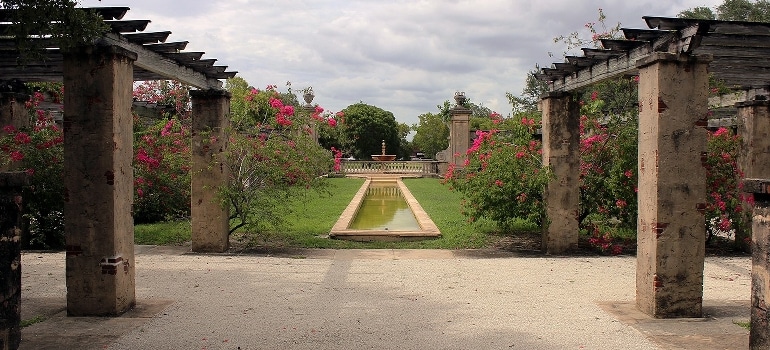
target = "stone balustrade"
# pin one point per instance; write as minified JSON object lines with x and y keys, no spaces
{"x":423,"y":168}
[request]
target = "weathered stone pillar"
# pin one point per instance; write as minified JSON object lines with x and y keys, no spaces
{"x":754,"y":159}
{"x":13,"y":110}
{"x":211,"y":118}
{"x":459,"y":132}
{"x":10,"y":258}
{"x":759,"y":336}
{"x":673,"y":106}
{"x":98,"y":179}
{"x":561,"y":151}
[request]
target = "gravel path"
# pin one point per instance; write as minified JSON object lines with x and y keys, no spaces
{"x":377,"y":299}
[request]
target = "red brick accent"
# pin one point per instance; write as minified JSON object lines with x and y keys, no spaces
{"x":659,"y":227}
{"x":73,"y":250}
{"x":656,"y":282}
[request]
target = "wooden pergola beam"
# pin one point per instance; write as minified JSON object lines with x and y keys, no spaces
{"x":157,"y":63}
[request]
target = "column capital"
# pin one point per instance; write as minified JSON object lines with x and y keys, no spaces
{"x":555,"y":94}
{"x":758,"y":101}
{"x":210,"y":94}
{"x":673,"y":57}
{"x":102,"y":50}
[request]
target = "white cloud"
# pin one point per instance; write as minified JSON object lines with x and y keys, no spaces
{"x":404,"y":56}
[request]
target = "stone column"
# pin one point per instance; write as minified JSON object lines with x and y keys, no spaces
{"x":10,"y":258}
{"x":754,"y":159}
{"x":13,"y":110}
{"x":98,"y":180}
{"x":211,"y":118}
{"x":561,"y":151}
{"x":459,"y":132}
{"x":759,"y":336}
{"x":673,"y":107}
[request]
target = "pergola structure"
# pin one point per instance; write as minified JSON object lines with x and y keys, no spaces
{"x":673,"y":60}
{"x":98,"y":146}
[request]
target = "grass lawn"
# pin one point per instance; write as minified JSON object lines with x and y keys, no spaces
{"x":315,"y":215}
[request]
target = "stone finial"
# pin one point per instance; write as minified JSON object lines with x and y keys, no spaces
{"x":308,"y":95}
{"x":460,"y":98}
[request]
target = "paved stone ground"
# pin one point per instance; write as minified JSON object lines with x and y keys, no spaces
{"x":383,"y":299}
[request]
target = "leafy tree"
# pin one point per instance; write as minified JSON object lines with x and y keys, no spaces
{"x":238,"y":88}
{"x":732,"y":10}
{"x":744,"y":10}
{"x":700,"y":12}
{"x":432,"y":134}
{"x":67,"y":25}
{"x":530,"y":95}
{"x":405,"y":147}
{"x":366,"y":127}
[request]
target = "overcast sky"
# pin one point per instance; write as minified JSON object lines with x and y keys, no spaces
{"x":402,"y":56}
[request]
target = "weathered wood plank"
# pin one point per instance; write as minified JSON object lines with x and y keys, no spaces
{"x":622,"y":45}
{"x":736,"y":40}
{"x":601,"y":53}
{"x":147,"y":38}
{"x":644,"y":34}
{"x":167,"y":47}
{"x":10,"y":44}
{"x":107,"y":13}
{"x":128,"y":26}
{"x":741,"y":52}
{"x":184,"y":57}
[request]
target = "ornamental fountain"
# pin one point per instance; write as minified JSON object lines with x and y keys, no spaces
{"x":383,"y":157}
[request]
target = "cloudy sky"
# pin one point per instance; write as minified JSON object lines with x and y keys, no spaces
{"x":400,"y":55}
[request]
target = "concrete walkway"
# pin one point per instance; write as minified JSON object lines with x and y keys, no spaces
{"x":382,"y":299}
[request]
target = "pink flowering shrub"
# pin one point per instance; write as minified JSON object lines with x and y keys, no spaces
{"x":39,"y":152}
{"x":503,"y":177}
{"x":170,"y":95}
{"x":162,"y":155}
{"x":726,"y":204}
{"x":162,"y":171}
{"x":273,"y":157}
{"x":608,"y":175}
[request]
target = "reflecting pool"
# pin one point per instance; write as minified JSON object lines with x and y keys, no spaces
{"x":384,"y":208}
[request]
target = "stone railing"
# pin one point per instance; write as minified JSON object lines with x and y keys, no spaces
{"x":416,"y":167}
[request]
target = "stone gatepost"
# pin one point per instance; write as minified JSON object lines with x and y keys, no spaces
{"x":211,"y":119}
{"x":561,"y":151}
{"x":759,"y":336}
{"x":13,"y":110}
{"x":754,"y":159}
{"x":673,"y":107}
{"x":11,"y":184}
{"x":459,"y":129}
{"x":98,"y":180}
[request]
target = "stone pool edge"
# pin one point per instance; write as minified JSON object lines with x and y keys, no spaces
{"x":428,"y":227}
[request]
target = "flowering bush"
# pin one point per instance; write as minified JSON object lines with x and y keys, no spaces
{"x":608,"y":179}
{"x":726,"y":203}
{"x":162,"y":171}
{"x":272,"y":157}
{"x":169,"y":94}
{"x":503,"y":177}
{"x":38,"y":151}
{"x":608,"y":173}
{"x":162,"y":155}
